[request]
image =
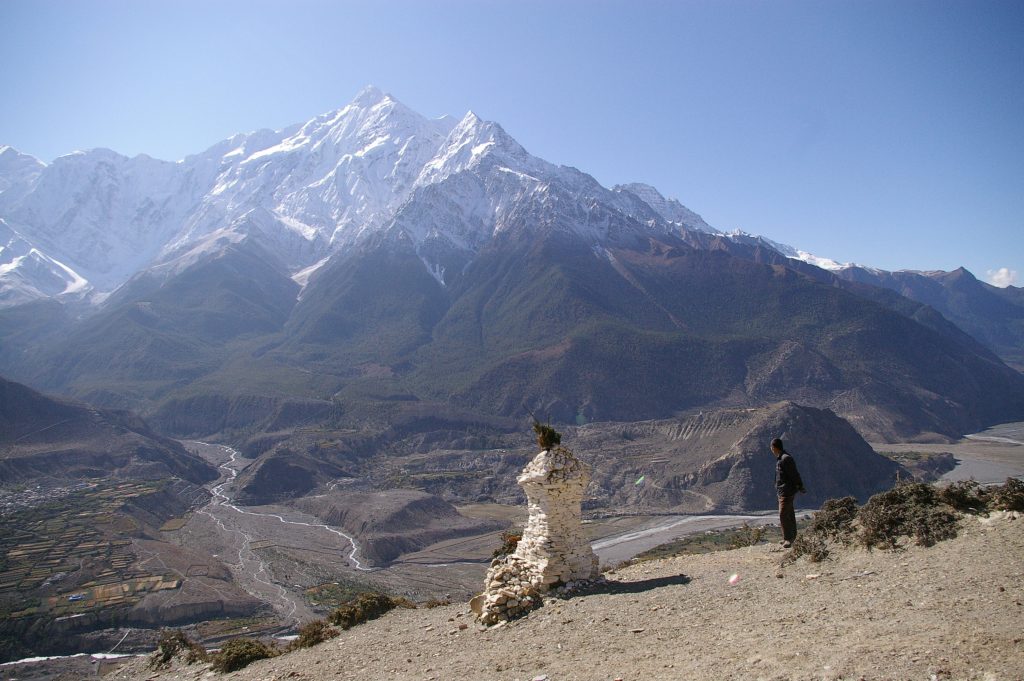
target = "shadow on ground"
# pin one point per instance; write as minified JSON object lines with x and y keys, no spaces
{"x":612,"y":587}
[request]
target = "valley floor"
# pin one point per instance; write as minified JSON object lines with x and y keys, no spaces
{"x":991,"y":456}
{"x":953,"y":611}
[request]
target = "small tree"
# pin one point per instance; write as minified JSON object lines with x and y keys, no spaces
{"x":547,"y":437}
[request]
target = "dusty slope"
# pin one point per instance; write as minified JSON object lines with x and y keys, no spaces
{"x":950,"y":612}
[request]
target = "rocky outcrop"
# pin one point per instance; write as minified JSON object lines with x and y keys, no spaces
{"x":280,"y":475}
{"x":198,"y":599}
{"x":833,"y":459}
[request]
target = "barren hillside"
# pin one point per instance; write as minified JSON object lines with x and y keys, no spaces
{"x":952,"y":611}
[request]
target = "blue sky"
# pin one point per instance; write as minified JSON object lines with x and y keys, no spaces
{"x":886,"y":133}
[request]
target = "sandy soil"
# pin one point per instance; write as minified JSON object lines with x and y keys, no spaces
{"x":953,"y":611}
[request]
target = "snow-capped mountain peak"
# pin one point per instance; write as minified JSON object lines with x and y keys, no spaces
{"x":308,"y":191}
{"x":669,"y":209}
{"x":18,"y":172}
{"x":326,"y":181}
{"x":369,"y":96}
{"x":469,"y":143}
{"x":790,"y":252}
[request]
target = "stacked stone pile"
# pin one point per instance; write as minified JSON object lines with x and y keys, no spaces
{"x":554,"y":553}
{"x":511,"y":591}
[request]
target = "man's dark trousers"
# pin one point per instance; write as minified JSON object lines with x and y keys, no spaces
{"x":787,"y":517}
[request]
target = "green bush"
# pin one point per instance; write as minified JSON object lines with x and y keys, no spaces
{"x":1008,"y":496}
{"x":313,"y":633}
{"x":241,"y":652}
{"x":835,"y":519}
{"x":910,"y":509}
{"x":366,"y":606}
{"x":547,"y":437}
{"x":174,"y":643}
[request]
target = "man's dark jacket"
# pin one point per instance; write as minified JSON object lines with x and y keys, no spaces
{"x":787,"y":479}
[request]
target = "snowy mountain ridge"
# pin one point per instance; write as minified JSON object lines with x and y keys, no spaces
{"x":91,"y":220}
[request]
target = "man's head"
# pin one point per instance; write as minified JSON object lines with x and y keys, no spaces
{"x":777,"y":448}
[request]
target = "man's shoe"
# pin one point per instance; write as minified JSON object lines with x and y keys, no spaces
{"x":787,"y":544}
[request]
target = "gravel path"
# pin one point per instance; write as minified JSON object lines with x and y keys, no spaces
{"x":953,"y":611}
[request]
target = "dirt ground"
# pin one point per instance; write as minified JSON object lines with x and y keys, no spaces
{"x":953,"y":611}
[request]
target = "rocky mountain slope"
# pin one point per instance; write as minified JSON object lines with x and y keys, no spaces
{"x":995,"y":316}
{"x":43,"y":437}
{"x":728,"y":465}
{"x":951,"y":611}
{"x":301,"y":275}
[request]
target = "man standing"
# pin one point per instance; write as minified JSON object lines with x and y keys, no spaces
{"x":787,"y":484}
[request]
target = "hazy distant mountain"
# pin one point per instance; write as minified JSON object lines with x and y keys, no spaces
{"x":995,"y":316}
{"x":372,"y":255}
{"x":43,"y":437}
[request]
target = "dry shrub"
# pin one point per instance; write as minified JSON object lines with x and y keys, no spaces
{"x":746,"y":536}
{"x":835,"y":519}
{"x":934,"y":525}
{"x":437,"y":602}
{"x":914,"y":509}
{"x":1007,"y":497}
{"x":174,"y":643}
{"x":810,"y":544}
{"x":966,"y":496}
{"x":313,"y":633}
{"x":241,"y":652}
{"x":910,"y":509}
{"x":509,"y":542}
{"x":547,"y":437}
{"x":366,"y":606}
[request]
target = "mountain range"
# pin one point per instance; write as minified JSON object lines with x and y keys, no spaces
{"x":373,"y":263}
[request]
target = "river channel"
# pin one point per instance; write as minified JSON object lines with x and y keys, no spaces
{"x":241,"y":528}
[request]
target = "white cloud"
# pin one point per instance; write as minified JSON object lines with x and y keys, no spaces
{"x":1002,"y":277}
